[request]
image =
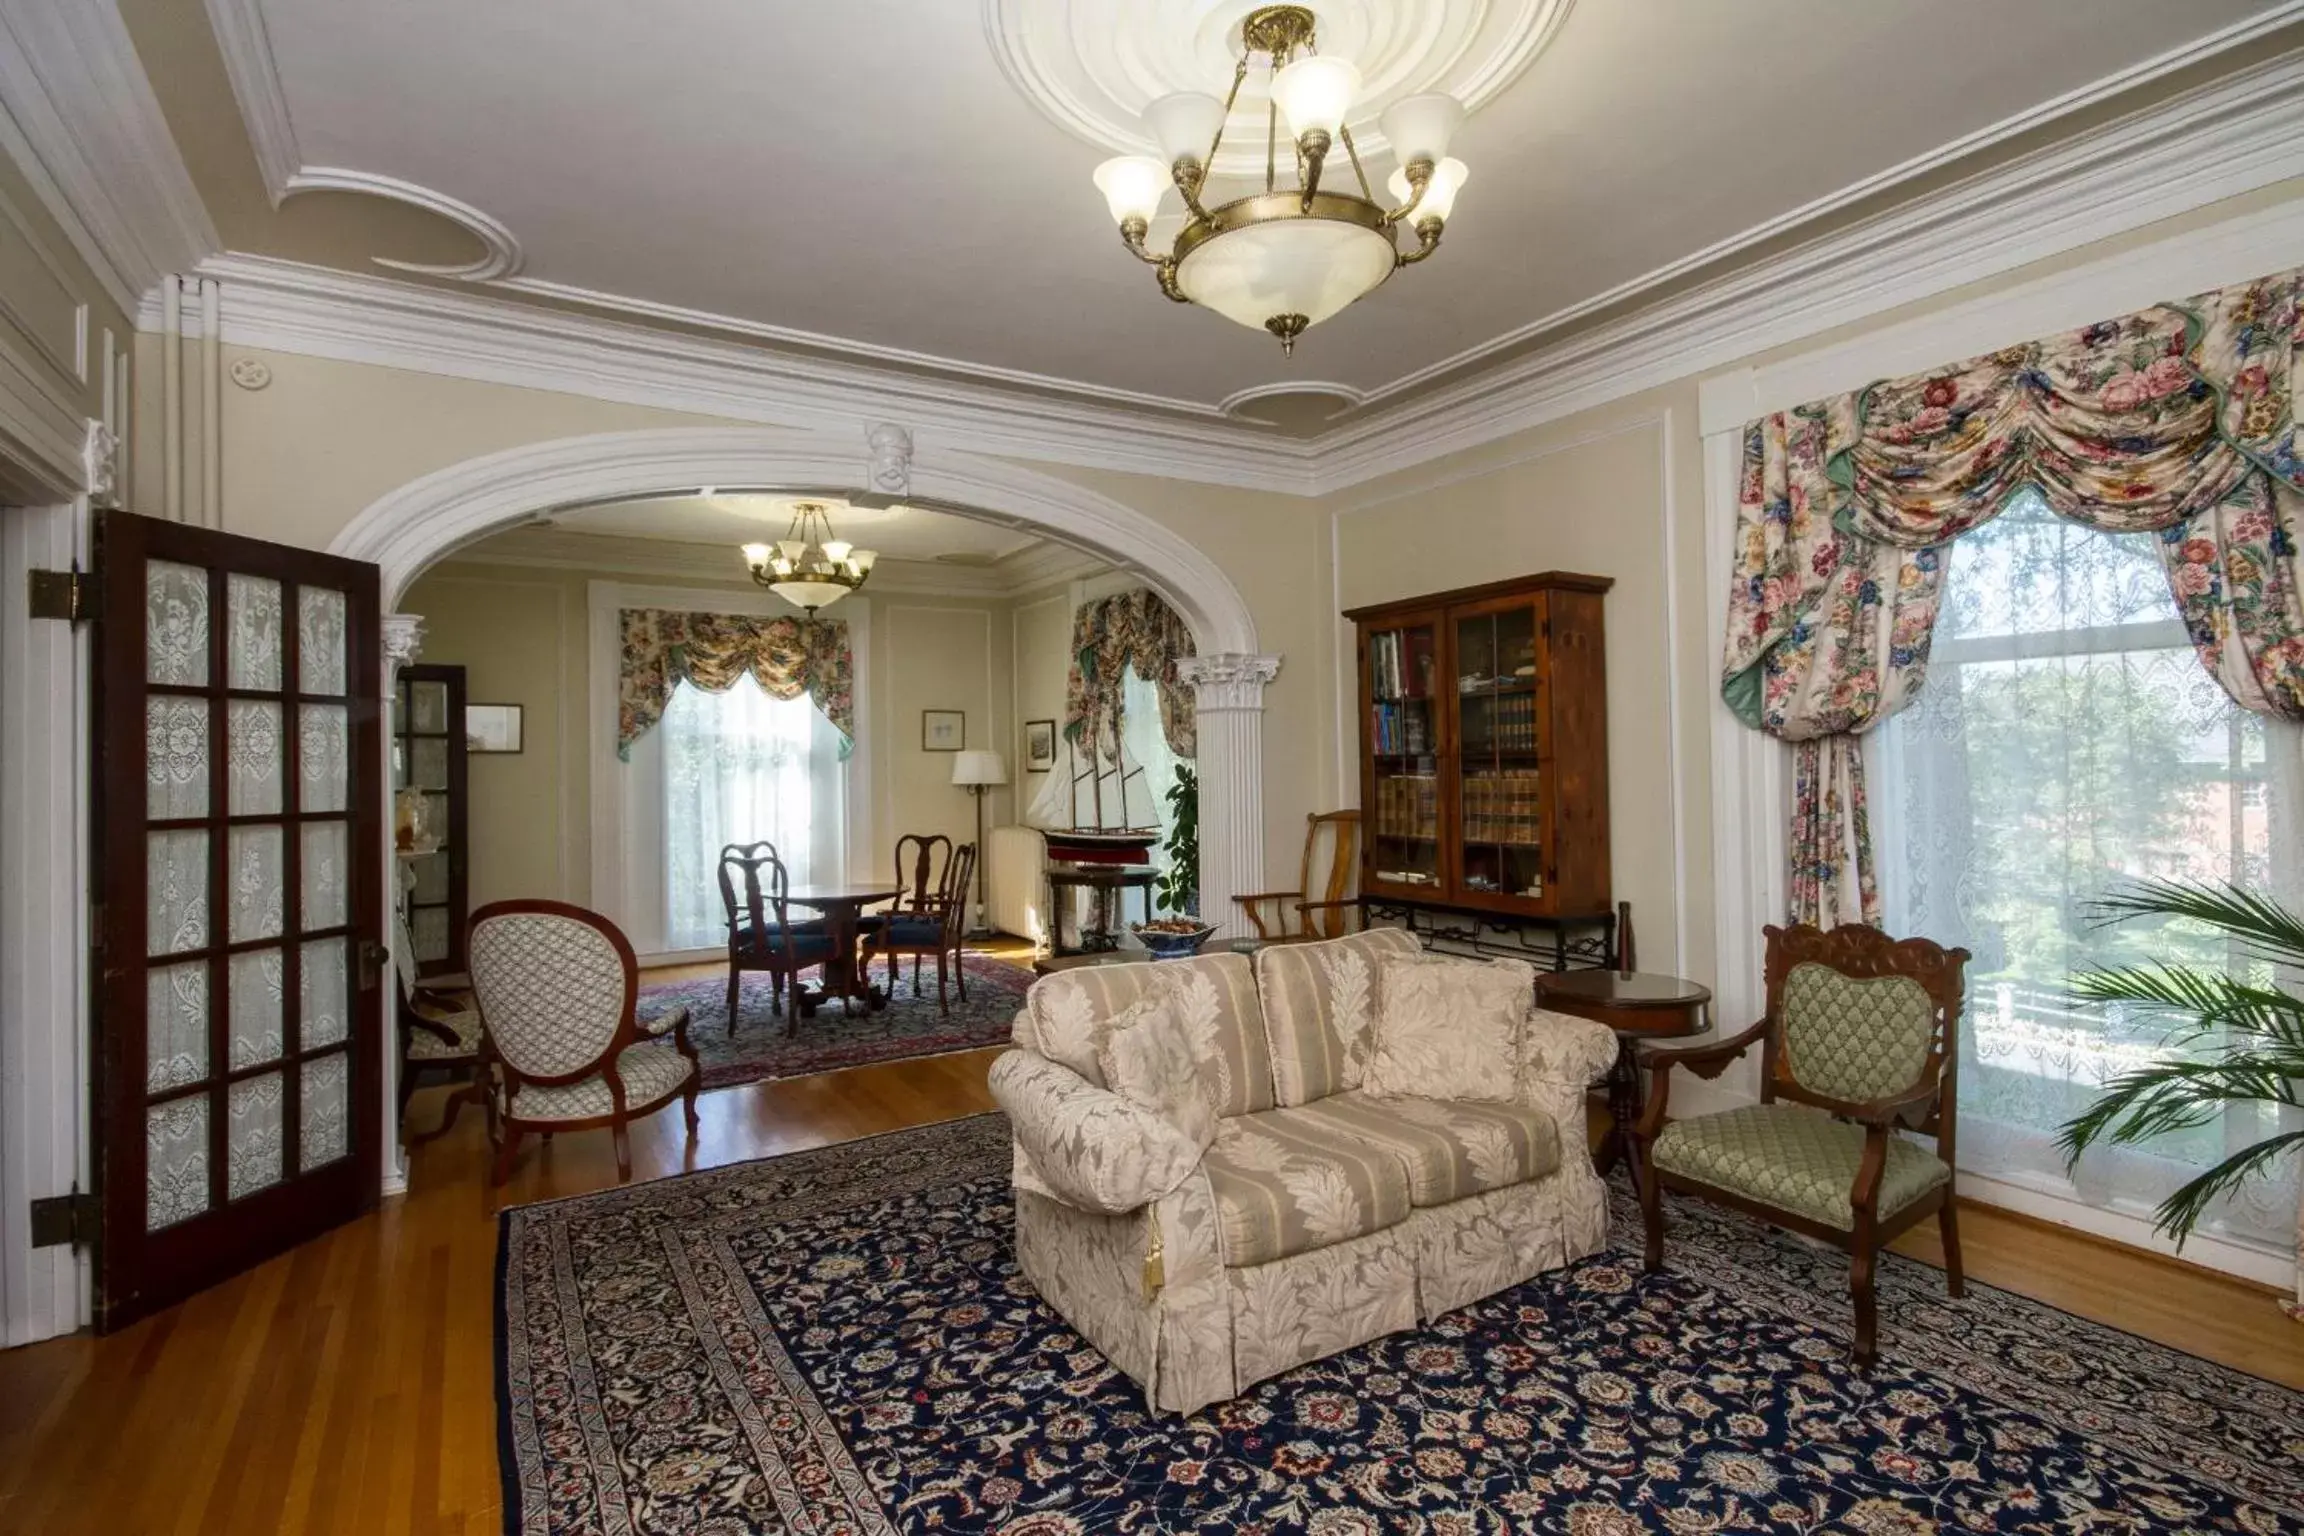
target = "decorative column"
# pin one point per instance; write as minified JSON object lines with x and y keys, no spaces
{"x":1229,"y":690}
{"x":403,"y":638}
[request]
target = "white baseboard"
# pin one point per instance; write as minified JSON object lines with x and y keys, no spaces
{"x":2129,"y":1229}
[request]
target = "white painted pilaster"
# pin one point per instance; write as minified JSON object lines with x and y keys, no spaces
{"x":1230,"y":695}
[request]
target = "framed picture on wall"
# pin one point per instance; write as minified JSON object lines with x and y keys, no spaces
{"x":492,"y":728}
{"x":1039,"y":745}
{"x":943,"y":730}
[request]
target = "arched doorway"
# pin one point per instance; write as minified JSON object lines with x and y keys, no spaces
{"x":427,"y":519}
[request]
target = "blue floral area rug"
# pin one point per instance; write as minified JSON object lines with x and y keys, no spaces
{"x":839,"y":1342}
{"x":915,"y":1022}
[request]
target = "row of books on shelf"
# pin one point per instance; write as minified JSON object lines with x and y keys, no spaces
{"x":1400,"y":667}
{"x":1408,"y":805}
{"x":1504,"y":807}
{"x":1511,"y":725}
{"x":1403,"y":727}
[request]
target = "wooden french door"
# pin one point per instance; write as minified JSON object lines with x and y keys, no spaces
{"x":239,"y":852}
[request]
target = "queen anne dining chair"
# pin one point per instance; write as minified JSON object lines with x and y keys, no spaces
{"x":562,"y":1045}
{"x":929,"y":921}
{"x":1859,"y":1044}
{"x":437,"y":1034}
{"x":754,"y":891}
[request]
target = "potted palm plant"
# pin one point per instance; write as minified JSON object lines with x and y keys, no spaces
{"x":2232,"y":1040}
{"x":1182,"y":932}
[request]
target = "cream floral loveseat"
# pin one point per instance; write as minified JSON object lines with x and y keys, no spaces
{"x":1320,"y":1216}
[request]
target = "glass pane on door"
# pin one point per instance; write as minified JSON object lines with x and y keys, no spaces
{"x":175,"y":757}
{"x":255,"y":983}
{"x":175,"y":624}
{"x":1500,"y":746}
{"x":320,"y":663}
{"x":175,"y":1161}
{"x":252,"y":1136}
{"x":175,"y":1025}
{"x":323,"y":753}
{"x":175,"y":891}
{"x":327,"y":1110}
{"x":252,"y":648}
{"x":1404,"y":753}
{"x":252,"y":751}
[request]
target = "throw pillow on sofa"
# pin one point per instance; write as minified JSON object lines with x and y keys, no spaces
{"x":1449,"y":1031}
{"x":1148,"y":1059}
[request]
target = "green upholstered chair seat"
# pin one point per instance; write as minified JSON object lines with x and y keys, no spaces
{"x":1793,"y":1158}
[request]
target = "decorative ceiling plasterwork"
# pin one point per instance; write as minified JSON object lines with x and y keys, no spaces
{"x":255,"y":76}
{"x":1093,"y":65}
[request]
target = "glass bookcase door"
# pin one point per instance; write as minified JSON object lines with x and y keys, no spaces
{"x":1403,"y":731}
{"x":426,"y":753}
{"x":1499,"y":755}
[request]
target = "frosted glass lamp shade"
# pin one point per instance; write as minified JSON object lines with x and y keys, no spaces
{"x":1419,"y":127}
{"x":862,"y":560}
{"x":1439,"y":193}
{"x":756,"y":554}
{"x":1308,"y":267}
{"x":1185,"y":125}
{"x":975,"y":767}
{"x":1132,"y":186}
{"x":836,"y":550}
{"x":1315,"y":93}
{"x":810,"y":595}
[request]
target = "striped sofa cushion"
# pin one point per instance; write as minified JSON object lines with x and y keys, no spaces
{"x":1320,"y":1009}
{"x":1067,"y":1017}
{"x":1288,"y":1181}
{"x":1449,"y":1148}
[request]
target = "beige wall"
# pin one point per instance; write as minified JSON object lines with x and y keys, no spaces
{"x":1042,"y":641}
{"x":523,"y":636}
{"x":1592,"y":495}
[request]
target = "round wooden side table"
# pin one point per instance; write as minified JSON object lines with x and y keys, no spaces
{"x":1637,"y":1005}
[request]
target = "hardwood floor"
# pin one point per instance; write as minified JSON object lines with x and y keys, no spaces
{"x":349,"y":1385}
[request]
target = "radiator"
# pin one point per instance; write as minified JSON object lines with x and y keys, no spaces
{"x":1018,"y":893}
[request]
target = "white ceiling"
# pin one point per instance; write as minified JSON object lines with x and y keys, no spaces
{"x":866,"y":172}
{"x":895,"y":533}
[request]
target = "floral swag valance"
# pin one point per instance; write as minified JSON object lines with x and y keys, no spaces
{"x":787,"y":657}
{"x":2177,"y":420}
{"x":1108,"y":636}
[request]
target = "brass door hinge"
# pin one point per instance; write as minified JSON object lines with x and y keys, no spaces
{"x":67,"y":595}
{"x":63,"y":1219}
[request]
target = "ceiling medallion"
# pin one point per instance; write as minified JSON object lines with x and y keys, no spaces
{"x":1092,"y":66}
{"x":808,"y":567}
{"x":1287,"y":258}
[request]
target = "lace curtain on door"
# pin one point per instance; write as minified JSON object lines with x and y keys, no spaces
{"x":2068,"y":738}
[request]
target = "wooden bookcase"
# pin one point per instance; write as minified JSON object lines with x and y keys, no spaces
{"x":1484,"y":749}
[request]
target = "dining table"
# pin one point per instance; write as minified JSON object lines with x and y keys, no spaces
{"x":842,"y":904}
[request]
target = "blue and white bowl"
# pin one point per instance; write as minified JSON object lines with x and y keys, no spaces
{"x":1174,"y":946}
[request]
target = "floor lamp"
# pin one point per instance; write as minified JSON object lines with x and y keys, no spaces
{"x":977,"y":772}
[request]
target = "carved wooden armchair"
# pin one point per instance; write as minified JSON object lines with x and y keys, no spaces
{"x":1332,"y":854}
{"x":1858,"y":1044}
{"x":761,"y":933}
{"x":927,"y":921}
{"x":563,"y":1048}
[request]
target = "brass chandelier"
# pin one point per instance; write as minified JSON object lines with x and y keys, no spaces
{"x":1286,"y":259}
{"x":808,"y":567}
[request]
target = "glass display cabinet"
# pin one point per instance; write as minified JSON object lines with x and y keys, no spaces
{"x":1484,"y":748}
{"x":430,"y":813}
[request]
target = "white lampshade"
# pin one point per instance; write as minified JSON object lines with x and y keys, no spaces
{"x":810,"y":595}
{"x":862,"y":559}
{"x":836,"y":550}
{"x":1185,"y":125}
{"x":756,"y":554}
{"x":1419,"y":127}
{"x":1132,"y":186}
{"x":1315,"y":93}
{"x":1439,"y":198}
{"x":793,"y":548}
{"x":975,"y":767}
{"x":1308,"y":267}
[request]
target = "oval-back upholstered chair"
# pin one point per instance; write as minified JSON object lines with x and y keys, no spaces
{"x":437,"y":1034}
{"x":1860,"y":1042}
{"x":563,"y":1048}
{"x":754,"y":889}
{"x":931,"y":922}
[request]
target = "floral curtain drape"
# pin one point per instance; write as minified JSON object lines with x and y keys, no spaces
{"x":1108,"y":636}
{"x":659,"y":649}
{"x":2176,"y":420}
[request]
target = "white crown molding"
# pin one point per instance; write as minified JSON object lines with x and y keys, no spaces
{"x":77,"y":113}
{"x":2038,"y":115}
{"x":545,"y":547}
{"x":2216,"y":141}
{"x":500,"y":254}
{"x":1348,"y":398}
{"x":904,"y":357}
{"x":291,"y":307}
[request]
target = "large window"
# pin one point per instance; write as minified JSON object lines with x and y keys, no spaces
{"x":2067,"y":737}
{"x":721,"y":768}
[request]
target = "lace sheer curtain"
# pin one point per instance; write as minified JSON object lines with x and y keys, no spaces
{"x":721,"y":768}
{"x":2068,"y":738}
